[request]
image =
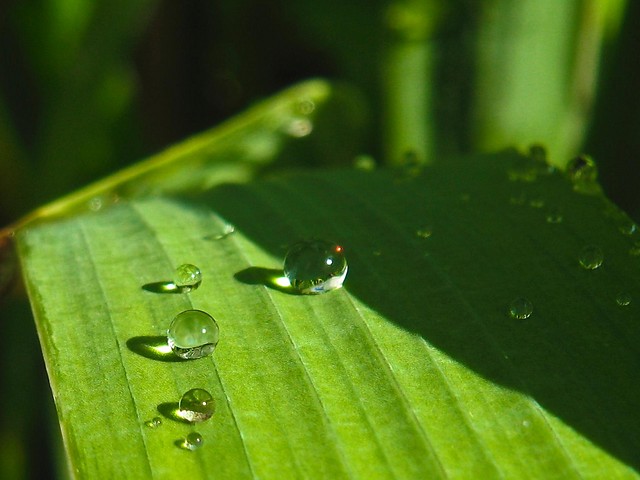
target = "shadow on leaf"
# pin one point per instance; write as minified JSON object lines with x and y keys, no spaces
{"x":154,"y":348}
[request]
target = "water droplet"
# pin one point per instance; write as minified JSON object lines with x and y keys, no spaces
{"x":424,"y":232}
{"x":554,"y":216}
{"x":193,"y":441}
{"x":377,"y":253}
{"x":628,"y":227}
{"x":520,"y":308}
{"x":95,"y":204}
{"x":315,"y":266}
{"x":226,"y":230}
{"x":591,"y":257}
{"x":526,"y":423}
{"x":583,"y":173}
{"x":538,"y":153}
{"x":536,"y":202}
{"x":634,"y":251}
{"x":193,"y":334}
{"x":364,"y":162}
{"x":623,"y":299}
{"x":305,"y":106}
{"x":411,"y":164}
{"x":522,"y":169}
{"x":197,"y":405}
{"x":155,"y":422}
{"x":299,"y":127}
{"x":187,"y":277}
{"x":519,"y":199}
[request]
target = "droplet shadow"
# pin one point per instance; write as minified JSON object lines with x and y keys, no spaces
{"x":272,"y":278}
{"x":171,"y":410}
{"x":153,"y":347}
{"x":182,"y":444}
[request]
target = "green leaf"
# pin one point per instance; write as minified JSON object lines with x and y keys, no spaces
{"x":414,"y":369}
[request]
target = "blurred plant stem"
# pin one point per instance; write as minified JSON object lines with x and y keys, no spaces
{"x":408,"y":79}
{"x":537,"y":68}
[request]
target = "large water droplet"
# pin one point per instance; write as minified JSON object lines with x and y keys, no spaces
{"x":591,"y":257}
{"x":193,"y":334}
{"x":583,"y":173}
{"x":187,"y":277}
{"x":623,"y":299}
{"x":197,"y":405}
{"x":520,"y":308}
{"x":315,"y":266}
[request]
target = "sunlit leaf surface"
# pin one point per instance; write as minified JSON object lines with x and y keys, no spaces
{"x":415,"y":369}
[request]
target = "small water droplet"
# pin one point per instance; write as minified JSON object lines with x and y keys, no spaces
{"x":518,"y":199}
{"x":364,"y":162}
{"x":583,"y":173}
{"x":520,"y":308}
{"x":193,"y":441}
{"x":411,"y":164}
{"x":377,"y":253}
{"x":187,"y":277}
{"x":538,"y":153}
{"x":536,"y":202}
{"x":193,"y":334}
{"x":424,"y":232}
{"x":591,"y":257}
{"x":299,"y":127}
{"x":623,"y":299}
{"x":526,"y":423}
{"x":315,"y":266}
{"x":634,"y":251}
{"x":628,"y":227}
{"x":226,"y":230}
{"x":554,"y":216}
{"x":305,"y":106}
{"x":522,"y":169}
{"x":196,"y":405}
{"x":155,"y":422}
{"x":95,"y":204}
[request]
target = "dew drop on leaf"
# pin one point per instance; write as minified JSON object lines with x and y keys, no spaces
{"x":193,"y":334}
{"x":623,"y":299}
{"x":424,"y":232}
{"x":554,"y":216}
{"x":583,"y":173}
{"x":196,"y":405}
{"x":591,"y":257}
{"x":187,"y":277}
{"x":315,"y":266}
{"x":628,"y":227}
{"x":193,"y":441}
{"x":364,"y":162}
{"x":155,"y":422}
{"x":520,"y":308}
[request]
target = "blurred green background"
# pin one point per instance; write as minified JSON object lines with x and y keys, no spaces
{"x":88,"y":87}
